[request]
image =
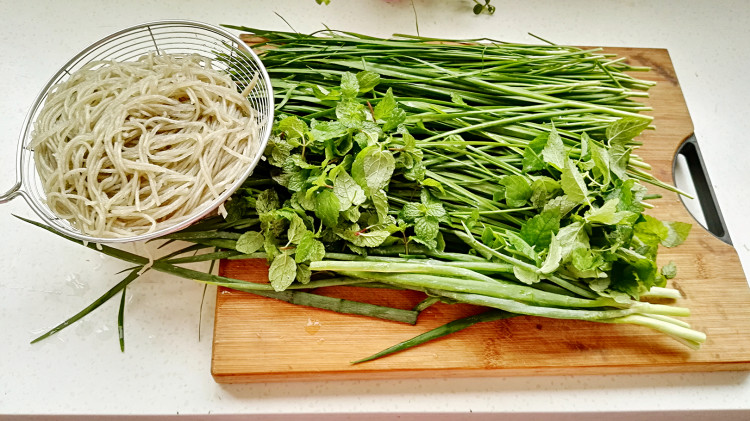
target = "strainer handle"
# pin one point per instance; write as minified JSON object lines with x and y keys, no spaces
{"x":10,"y":194}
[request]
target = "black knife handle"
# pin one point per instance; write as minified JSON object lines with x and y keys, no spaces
{"x":690,"y":150}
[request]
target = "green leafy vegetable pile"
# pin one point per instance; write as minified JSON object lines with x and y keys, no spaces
{"x":494,"y":174}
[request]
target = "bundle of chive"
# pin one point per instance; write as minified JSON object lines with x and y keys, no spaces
{"x":475,"y":171}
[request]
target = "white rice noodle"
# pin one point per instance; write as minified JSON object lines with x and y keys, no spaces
{"x":127,"y":148}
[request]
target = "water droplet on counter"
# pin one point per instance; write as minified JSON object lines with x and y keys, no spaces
{"x":74,"y":285}
{"x":312,"y":327}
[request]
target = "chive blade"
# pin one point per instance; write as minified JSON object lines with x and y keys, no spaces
{"x":439,"y":332}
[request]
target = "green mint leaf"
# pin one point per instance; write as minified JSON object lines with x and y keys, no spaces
{"x":624,"y":279}
{"x":343,"y":146}
{"x":367,"y":81}
{"x":538,"y":230}
{"x":303,"y":274}
{"x":585,"y":147}
{"x":358,"y":166}
{"x":266,"y":202}
{"x":359,"y":238}
{"x":601,"y":159}
{"x":417,"y":172}
{"x":426,"y":198}
{"x":306,"y":202}
{"x":286,"y":213}
{"x":560,"y":204}
{"x":356,"y":249}
{"x":440,"y":246}
{"x":282,"y":272}
{"x":410,"y":143}
{"x":651,"y":230}
{"x":429,"y":243}
{"x":279,"y":152}
{"x":385,"y":106}
{"x":309,"y":249}
{"x":572,"y":183}
{"x":543,"y":189}
{"x":625,"y":129}
{"x":373,"y":132}
{"x":426,"y":228}
{"x":298,"y":180}
{"x":324,"y":130}
{"x":554,"y":255}
{"x":619,"y":156}
{"x":677,"y":233}
{"x":293,"y":128}
{"x":435,"y":209}
{"x":411,"y":211}
{"x":554,"y":151}
{"x":517,"y":190}
{"x":362,"y":140}
{"x":429,"y":182}
{"x":327,"y":207}
{"x":351,"y":114}
{"x":609,"y":215}
{"x":621,"y":236}
{"x":630,"y":194}
{"x":372,"y":238}
{"x":380,"y":201}
{"x":378,"y":166}
{"x":634,"y":274}
{"x":393,"y":120}
{"x":297,"y":229}
{"x":236,"y":207}
{"x":324,"y":94}
{"x":521,"y":246}
{"x":532,"y":155}
{"x":269,"y":245}
{"x":488,"y":236}
{"x":368,"y":135}
{"x":300,"y":162}
{"x":583,"y":259}
{"x":585,"y":264}
{"x":669,"y":270}
{"x":347,"y":191}
{"x":349,"y":85}
{"x":352,"y":214}
{"x":250,"y":242}
{"x":586,"y":166}
{"x":571,"y":237}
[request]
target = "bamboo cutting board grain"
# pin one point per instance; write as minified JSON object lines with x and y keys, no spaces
{"x":260,"y":339}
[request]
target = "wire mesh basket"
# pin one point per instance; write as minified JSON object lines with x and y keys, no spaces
{"x":227,"y":53}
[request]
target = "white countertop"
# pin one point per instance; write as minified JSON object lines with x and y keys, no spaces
{"x":165,"y":369}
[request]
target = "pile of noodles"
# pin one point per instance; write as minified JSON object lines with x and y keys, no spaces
{"x":127,"y":148}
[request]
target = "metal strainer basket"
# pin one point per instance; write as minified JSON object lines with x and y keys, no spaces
{"x":161,"y":37}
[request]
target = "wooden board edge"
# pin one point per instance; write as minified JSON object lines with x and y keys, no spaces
{"x":235,"y":378}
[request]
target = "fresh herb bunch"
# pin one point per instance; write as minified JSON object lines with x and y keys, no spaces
{"x":359,"y":181}
{"x":500,"y":175}
{"x":548,"y":132}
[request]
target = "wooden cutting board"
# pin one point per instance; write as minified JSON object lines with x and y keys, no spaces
{"x":260,"y":339}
